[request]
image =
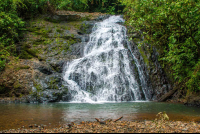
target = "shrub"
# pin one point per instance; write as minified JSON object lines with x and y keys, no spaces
{"x":10,"y":27}
{"x":172,"y":25}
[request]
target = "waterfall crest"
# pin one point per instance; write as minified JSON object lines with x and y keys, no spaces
{"x":104,"y":72}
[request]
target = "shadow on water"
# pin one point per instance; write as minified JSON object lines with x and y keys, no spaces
{"x":13,"y":116}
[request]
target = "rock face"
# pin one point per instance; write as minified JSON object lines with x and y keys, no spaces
{"x":65,"y":45}
{"x":51,"y":41}
{"x":148,"y":55}
{"x":193,"y":100}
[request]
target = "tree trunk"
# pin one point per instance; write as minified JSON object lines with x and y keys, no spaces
{"x":167,"y":95}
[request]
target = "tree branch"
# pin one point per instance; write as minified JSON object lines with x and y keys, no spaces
{"x":118,"y":119}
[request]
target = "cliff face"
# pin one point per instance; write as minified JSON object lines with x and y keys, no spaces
{"x":155,"y":74}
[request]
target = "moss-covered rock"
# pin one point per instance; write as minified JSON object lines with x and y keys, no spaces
{"x":12,"y":80}
{"x":86,"y":27}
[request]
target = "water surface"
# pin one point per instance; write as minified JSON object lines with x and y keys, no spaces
{"x":14,"y":116}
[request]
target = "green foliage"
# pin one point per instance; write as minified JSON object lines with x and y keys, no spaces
{"x":194,"y":81}
{"x":110,"y":7}
{"x":80,"y":5}
{"x":172,"y":25}
{"x":73,"y":5}
{"x":65,"y":5}
{"x":2,"y":64}
{"x":10,"y":27}
{"x":106,"y":6}
{"x":29,"y":8}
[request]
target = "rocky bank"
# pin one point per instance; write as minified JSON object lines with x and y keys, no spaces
{"x":118,"y":127}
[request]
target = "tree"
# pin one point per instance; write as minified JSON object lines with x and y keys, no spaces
{"x":174,"y":26}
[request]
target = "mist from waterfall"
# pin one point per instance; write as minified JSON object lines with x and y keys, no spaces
{"x":104,"y":73}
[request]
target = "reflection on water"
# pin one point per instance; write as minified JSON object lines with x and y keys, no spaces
{"x":55,"y":114}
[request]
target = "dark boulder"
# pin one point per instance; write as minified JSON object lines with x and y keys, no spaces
{"x":193,"y":100}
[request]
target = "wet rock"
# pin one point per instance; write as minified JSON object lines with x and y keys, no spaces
{"x":156,"y":77}
{"x":102,"y":17}
{"x":193,"y":100}
{"x":45,"y":70}
{"x":58,"y":18}
{"x":77,"y":49}
{"x":86,"y":27}
{"x":146,"y":82}
{"x":57,"y":65}
{"x":85,"y":38}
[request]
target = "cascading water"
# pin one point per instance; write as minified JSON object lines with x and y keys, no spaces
{"x":104,"y":72}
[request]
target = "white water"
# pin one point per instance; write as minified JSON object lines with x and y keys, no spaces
{"x":103,"y":74}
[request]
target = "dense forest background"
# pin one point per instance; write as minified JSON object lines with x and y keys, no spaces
{"x":172,"y":26}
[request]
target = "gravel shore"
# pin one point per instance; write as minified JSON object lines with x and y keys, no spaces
{"x":109,"y":126}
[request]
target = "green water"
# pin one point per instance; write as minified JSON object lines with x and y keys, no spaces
{"x":14,"y":116}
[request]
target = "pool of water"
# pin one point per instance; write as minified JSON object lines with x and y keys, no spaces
{"x":13,"y":116}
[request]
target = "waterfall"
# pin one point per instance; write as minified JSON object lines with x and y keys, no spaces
{"x":104,"y":72}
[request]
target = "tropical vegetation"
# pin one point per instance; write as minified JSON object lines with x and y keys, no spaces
{"x":174,"y":26}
